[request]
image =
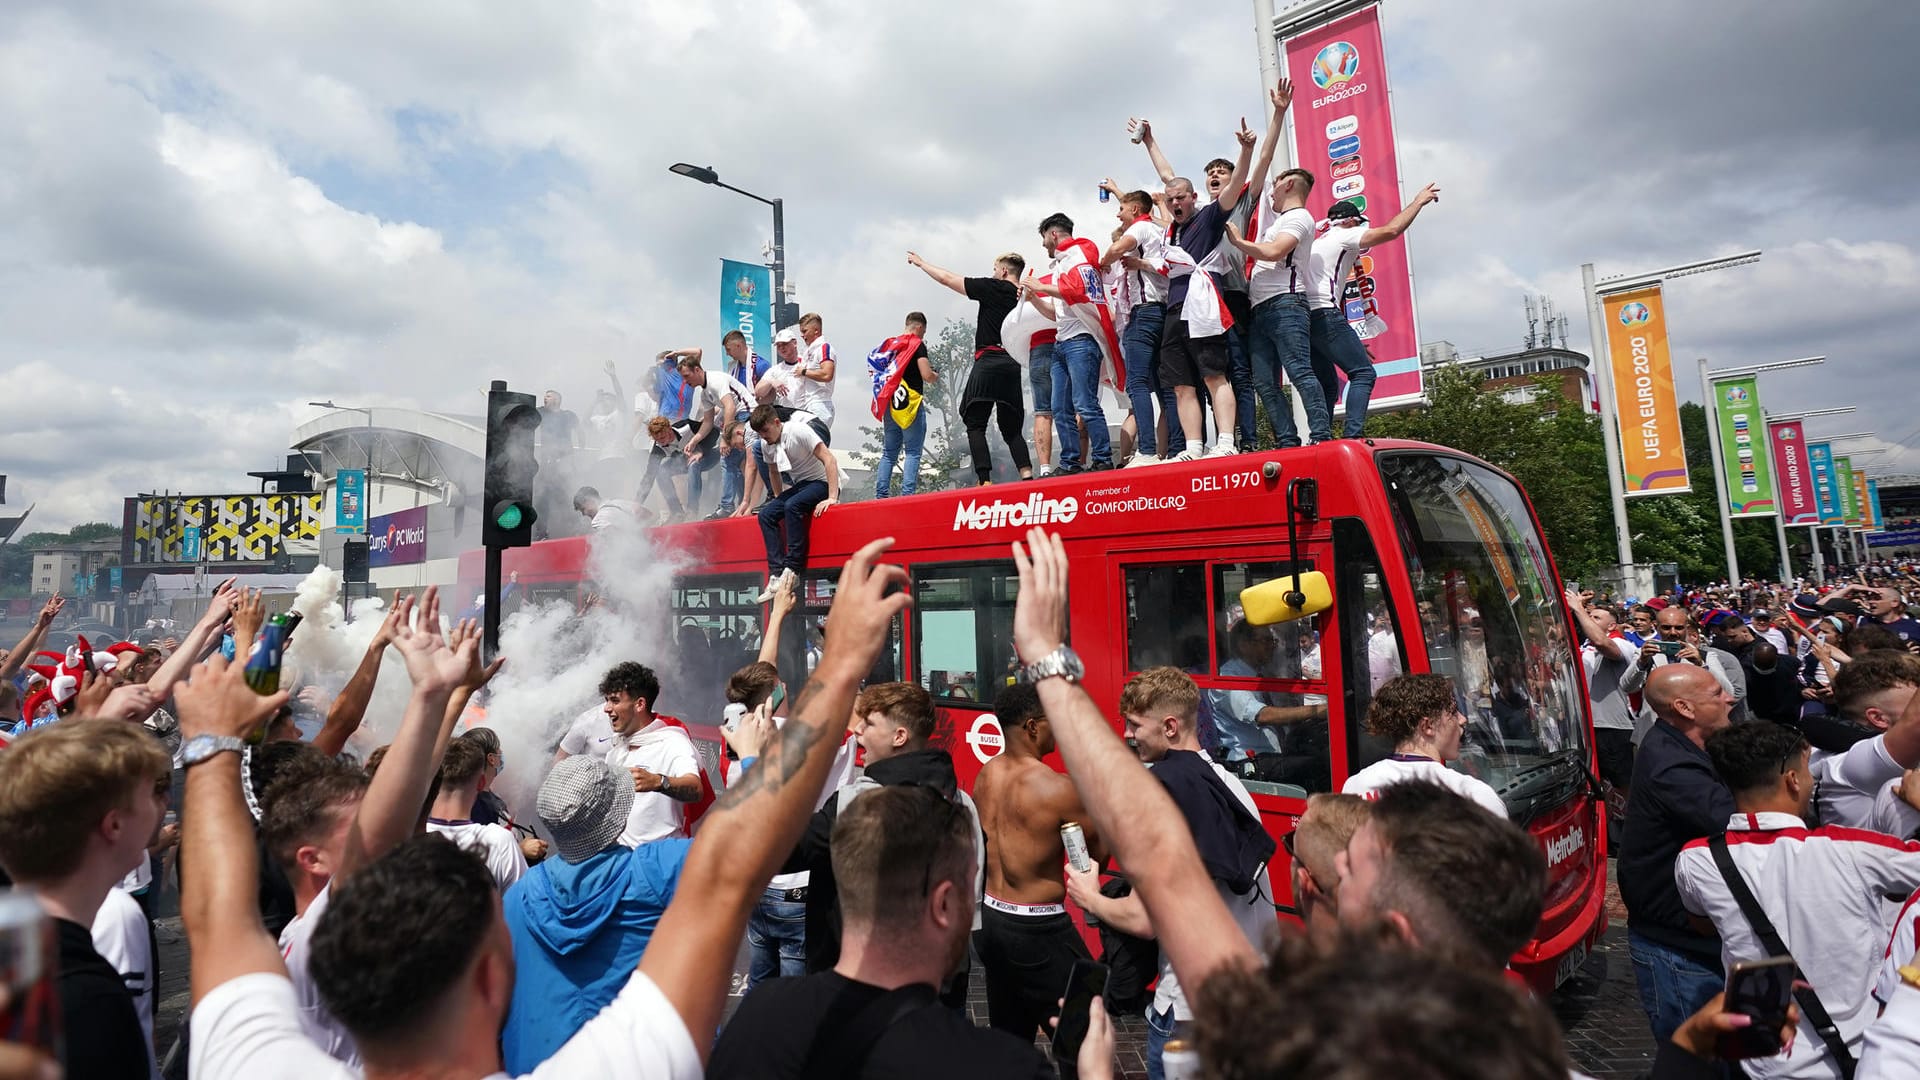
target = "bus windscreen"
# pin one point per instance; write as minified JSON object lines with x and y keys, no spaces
{"x":1492,"y":620}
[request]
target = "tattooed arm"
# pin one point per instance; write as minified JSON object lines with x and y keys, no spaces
{"x":754,"y":825}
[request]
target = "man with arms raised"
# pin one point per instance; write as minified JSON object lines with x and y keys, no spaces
{"x":415,"y":958}
{"x":1027,"y":941}
{"x":993,"y":387}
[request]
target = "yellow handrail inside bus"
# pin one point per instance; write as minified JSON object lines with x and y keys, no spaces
{"x":1286,"y":598}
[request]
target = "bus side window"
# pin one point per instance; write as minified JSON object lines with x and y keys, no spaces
{"x":963,"y":629}
{"x":804,"y":637}
{"x":1370,"y":632}
{"x":716,"y":632}
{"x":1167,"y":617}
{"x":1261,"y":722}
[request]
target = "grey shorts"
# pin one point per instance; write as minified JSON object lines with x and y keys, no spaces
{"x":1040,"y":379}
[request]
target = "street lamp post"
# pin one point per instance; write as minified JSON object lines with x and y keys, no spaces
{"x":706,"y":175}
{"x":1707,"y":379}
{"x":1780,"y":519}
{"x":1596,"y":292}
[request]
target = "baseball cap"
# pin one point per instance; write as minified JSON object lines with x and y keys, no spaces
{"x":791,"y":333}
{"x":1840,"y":605}
{"x":584,"y":803}
{"x":1342,"y":210}
{"x":1806,"y":605}
{"x":1761,"y":613}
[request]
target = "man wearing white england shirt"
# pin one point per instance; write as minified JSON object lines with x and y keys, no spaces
{"x":414,"y":955}
{"x":666,"y":775}
{"x":1282,"y":329}
{"x":1335,"y":345}
{"x":462,"y":774}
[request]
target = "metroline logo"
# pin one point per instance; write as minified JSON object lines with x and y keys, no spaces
{"x":1559,"y":848}
{"x":1033,"y":510}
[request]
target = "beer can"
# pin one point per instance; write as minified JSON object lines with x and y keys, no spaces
{"x":1179,"y":1060}
{"x":1075,"y":840}
{"x":28,"y":953}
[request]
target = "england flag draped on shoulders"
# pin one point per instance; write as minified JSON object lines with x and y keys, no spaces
{"x":1205,"y":311}
{"x":887,"y":364}
{"x":1085,"y":295}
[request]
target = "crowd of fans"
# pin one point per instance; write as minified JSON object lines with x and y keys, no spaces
{"x":389,"y":916}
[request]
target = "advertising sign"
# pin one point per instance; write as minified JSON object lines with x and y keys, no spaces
{"x":1791,"y":475}
{"x":746,"y":305}
{"x":1343,"y":133}
{"x":190,"y":543}
{"x":350,"y":500}
{"x":1826,"y":492}
{"x":1849,"y":495}
{"x":1874,"y":520}
{"x":1746,"y":466}
{"x":219,"y":528}
{"x":1651,"y":450}
{"x":398,"y":539}
{"x":1895,"y":538}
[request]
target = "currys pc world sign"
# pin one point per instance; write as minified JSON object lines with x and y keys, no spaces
{"x":398,"y":539}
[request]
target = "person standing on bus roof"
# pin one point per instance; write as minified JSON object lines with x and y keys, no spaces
{"x":1026,"y":940}
{"x":787,"y":515}
{"x":1344,"y":237}
{"x":993,"y":387}
{"x":1421,"y":717}
{"x":903,"y":416}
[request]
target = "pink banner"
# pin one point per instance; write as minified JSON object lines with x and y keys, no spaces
{"x":1794,"y":477}
{"x":1343,"y":135}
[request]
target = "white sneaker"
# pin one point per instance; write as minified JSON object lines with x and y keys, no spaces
{"x":1191,"y":453}
{"x":773,"y":586}
{"x":1223,"y":448}
{"x":1141,"y":461}
{"x":1045,"y":471}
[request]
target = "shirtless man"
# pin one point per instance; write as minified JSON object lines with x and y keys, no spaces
{"x":1027,"y":942}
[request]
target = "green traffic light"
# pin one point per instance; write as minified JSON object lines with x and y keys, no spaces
{"x":510,"y":517}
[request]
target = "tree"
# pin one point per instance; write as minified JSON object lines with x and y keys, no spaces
{"x":1553,"y":450}
{"x":942,"y":456}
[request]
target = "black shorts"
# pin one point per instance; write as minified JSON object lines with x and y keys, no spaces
{"x":1185,"y":361}
{"x":1027,"y":960}
{"x":996,"y":378}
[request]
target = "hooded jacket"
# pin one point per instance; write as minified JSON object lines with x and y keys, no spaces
{"x":578,"y":931}
{"x":928,"y":768}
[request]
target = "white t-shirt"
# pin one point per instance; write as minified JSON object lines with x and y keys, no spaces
{"x":591,"y":733}
{"x":317,"y":1024}
{"x":1845,"y":785}
{"x":1252,"y":912}
{"x":1331,"y":260}
{"x":1777,"y":638}
{"x":719,"y":385}
{"x":245,"y":1028}
{"x":120,"y":937}
{"x":1151,"y":246}
{"x":612,"y":513}
{"x":798,"y":443}
{"x":664,"y":749}
{"x":1065,"y":323}
{"x":1892,"y":815}
{"x":491,"y":842}
{"x":1387,"y":772}
{"x":1288,"y":275}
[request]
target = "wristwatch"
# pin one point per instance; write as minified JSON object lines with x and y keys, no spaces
{"x":204,"y":747}
{"x":1062,"y":663}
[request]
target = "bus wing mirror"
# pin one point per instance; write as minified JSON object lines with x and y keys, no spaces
{"x":1285,"y":599}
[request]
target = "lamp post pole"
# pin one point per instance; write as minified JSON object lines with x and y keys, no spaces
{"x":705,"y":174}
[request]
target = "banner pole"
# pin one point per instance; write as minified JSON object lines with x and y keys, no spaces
{"x":1602,"y":360}
{"x":1719,"y":471}
{"x":1780,"y":533}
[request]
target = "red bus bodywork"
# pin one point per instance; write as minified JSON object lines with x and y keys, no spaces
{"x":1122,"y":528}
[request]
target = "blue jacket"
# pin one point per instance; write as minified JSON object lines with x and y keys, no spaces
{"x":578,"y":931}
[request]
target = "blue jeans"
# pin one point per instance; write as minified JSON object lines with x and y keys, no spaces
{"x":733,"y":478}
{"x":1673,"y":984}
{"x":697,"y":471}
{"x":1040,"y":380}
{"x":1283,"y":340}
{"x":1076,"y":391}
{"x":784,"y":523}
{"x":1335,"y":345}
{"x":1240,"y":374}
{"x":777,"y":935}
{"x":1141,"y":348}
{"x":1160,"y":1027}
{"x":892,"y":435}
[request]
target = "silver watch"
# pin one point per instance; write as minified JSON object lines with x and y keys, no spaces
{"x":203,"y":747}
{"x":1061,"y":663}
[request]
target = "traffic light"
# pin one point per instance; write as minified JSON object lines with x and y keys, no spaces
{"x":507,"y":499}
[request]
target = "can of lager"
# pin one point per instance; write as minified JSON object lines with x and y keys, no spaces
{"x":1179,"y":1060}
{"x":1075,"y":840}
{"x":27,"y":960}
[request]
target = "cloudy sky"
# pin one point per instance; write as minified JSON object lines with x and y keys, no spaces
{"x":212,"y":212}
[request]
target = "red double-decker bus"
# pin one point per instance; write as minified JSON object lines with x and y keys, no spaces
{"x":1432,"y":561}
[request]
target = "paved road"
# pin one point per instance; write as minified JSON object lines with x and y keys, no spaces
{"x":1598,"y":1008}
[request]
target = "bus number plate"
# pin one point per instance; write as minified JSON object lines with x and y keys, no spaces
{"x":1237,"y":480}
{"x":1570,"y":963}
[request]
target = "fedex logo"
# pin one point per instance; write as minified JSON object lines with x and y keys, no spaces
{"x":1349,"y":186}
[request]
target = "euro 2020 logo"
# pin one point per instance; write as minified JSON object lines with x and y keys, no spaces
{"x":1635,"y":314}
{"x":1335,"y":64}
{"x":1736,"y":395}
{"x":743,"y":289}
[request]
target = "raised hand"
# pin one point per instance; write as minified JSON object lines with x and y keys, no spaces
{"x":753,"y":731}
{"x":914,"y":260}
{"x":130,"y":702}
{"x":869,"y":595}
{"x":389,"y":626}
{"x":1139,"y":129}
{"x":249,"y":611}
{"x":431,"y":664}
{"x":1246,"y":135}
{"x":478,"y":675}
{"x":50,"y":610}
{"x":1428,"y":194}
{"x":221,"y":605}
{"x":216,"y":700}
{"x":1040,"y":611}
{"x":785,"y":598}
{"x":91,"y":699}
{"x":1282,"y":95}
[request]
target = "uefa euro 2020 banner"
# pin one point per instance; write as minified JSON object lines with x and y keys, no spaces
{"x":746,"y":305}
{"x":1746,"y":466}
{"x":1849,"y":495}
{"x":1651,"y":451}
{"x":1343,"y":134}
{"x":1826,"y":486}
{"x":1793,"y":474}
{"x":1874,"y":521}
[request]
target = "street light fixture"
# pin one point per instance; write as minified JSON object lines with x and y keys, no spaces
{"x":1707,"y":379}
{"x":706,"y":174}
{"x":1603,"y":372}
